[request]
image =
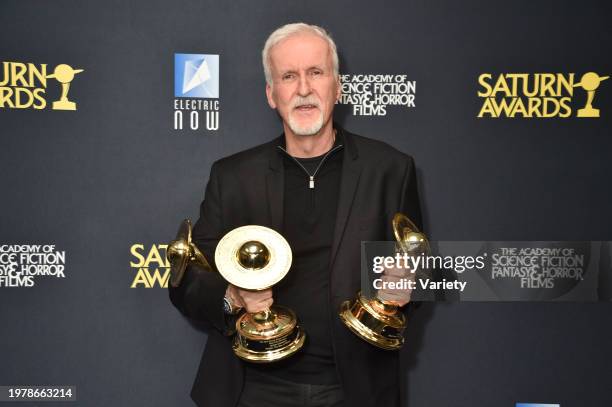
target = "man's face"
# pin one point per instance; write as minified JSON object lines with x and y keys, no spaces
{"x":304,"y":86}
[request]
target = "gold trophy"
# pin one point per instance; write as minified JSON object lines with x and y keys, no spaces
{"x":181,"y":252}
{"x":590,"y":82}
{"x":255,"y":258}
{"x":252,"y":258}
{"x":64,"y":75}
{"x":377,"y":321}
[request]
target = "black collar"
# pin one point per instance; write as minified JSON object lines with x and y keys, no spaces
{"x":342,"y":137}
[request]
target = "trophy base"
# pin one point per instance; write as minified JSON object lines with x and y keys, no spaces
{"x":268,"y":336}
{"x":64,"y":105}
{"x":378,"y":326}
{"x":242,"y":350}
{"x":588,"y":112}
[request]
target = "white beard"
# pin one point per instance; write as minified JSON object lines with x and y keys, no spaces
{"x":306,"y":130}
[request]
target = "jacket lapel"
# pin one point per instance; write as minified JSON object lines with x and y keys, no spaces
{"x":351,"y":172}
{"x":274,"y":189}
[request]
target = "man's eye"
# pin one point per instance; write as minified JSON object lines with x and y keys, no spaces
{"x":288,"y":76}
{"x":316,"y":73}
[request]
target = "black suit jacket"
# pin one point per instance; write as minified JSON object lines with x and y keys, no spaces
{"x":247,"y":188}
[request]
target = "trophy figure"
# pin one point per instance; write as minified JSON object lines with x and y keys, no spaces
{"x":590,"y":82}
{"x":64,"y":75}
{"x":181,"y":252}
{"x":381,"y":322}
{"x":255,"y":258}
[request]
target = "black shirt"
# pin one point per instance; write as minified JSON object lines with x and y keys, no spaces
{"x":308,"y":225}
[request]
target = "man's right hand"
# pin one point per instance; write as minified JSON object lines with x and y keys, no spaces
{"x":251,"y":301}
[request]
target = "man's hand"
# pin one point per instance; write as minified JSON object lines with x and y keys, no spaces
{"x":398,"y":296}
{"x":251,"y":301}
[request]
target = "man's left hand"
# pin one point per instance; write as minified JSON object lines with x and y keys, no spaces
{"x":397,"y":296}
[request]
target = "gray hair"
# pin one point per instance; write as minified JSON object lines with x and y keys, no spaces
{"x":289,"y":30}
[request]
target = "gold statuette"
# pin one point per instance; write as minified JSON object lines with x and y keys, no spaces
{"x":64,"y":75}
{"x":255,"y":258}
{"x":377,"y":321}
{"x":182,"y":252}
{"x":590,"y":82}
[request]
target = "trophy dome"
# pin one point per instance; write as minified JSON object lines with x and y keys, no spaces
{"x":253,"y":255}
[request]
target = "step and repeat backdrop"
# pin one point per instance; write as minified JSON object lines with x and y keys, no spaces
{"x":112,"y":113}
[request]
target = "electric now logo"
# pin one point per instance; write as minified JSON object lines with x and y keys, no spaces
{"x":196,"y":91}
{"x":536,"y":405}
{"x":196,"y":76}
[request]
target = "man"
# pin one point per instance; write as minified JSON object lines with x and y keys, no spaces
{"x":325,"y":190}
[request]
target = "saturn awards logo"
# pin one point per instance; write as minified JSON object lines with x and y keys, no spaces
{"x":152,"y":269}
{"x":196,"y":92}
{"x":24,"y":86}
{"x":539,"y":95}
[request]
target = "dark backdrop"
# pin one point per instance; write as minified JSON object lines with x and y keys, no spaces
{"x":115,"y":173}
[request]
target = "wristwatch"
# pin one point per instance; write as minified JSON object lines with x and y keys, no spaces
{"x":228,"y":308}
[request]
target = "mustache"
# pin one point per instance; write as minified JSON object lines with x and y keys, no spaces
{"x":301,"y":101}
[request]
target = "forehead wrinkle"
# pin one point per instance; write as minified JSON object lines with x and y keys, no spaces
{"x":326,"y":63}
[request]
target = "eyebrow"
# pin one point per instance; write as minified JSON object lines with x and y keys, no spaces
{"x":308,"y":69}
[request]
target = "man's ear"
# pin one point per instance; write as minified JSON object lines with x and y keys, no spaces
{"x":269,"y":96}
{"x":338,"y":88}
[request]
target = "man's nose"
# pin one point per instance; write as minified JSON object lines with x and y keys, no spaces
{"x":304,"y":86}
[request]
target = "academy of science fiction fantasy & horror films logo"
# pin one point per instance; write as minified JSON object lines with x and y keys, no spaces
{"x":22,"y":264}
{"x":196,"y":92}
{"x":24,"y":85}
{"x":539,"y":95}
{"x":372,"y":94}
